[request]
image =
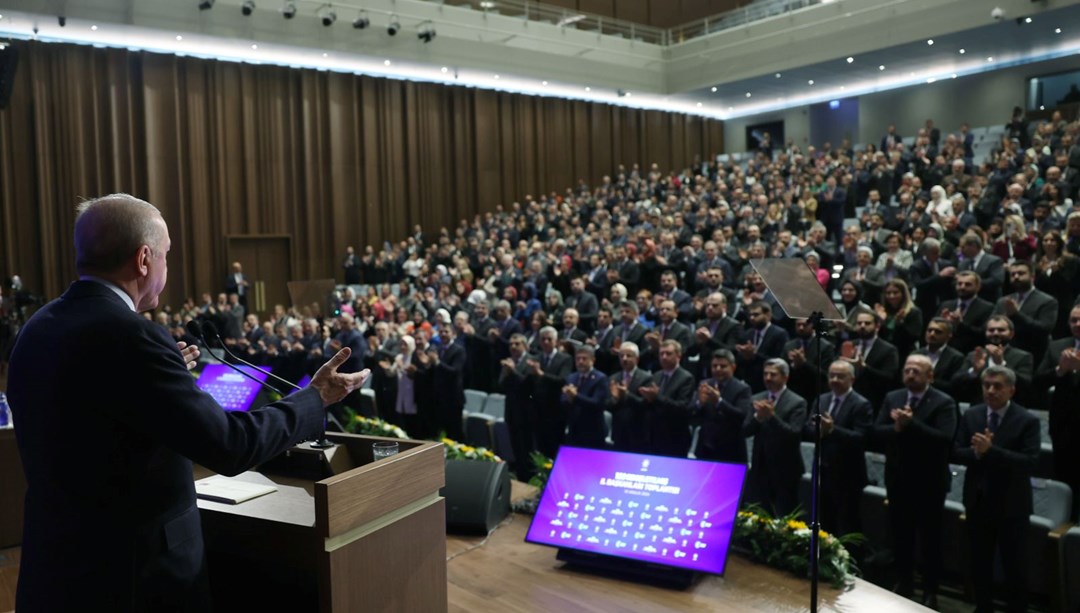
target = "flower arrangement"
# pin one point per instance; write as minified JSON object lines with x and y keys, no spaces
{"x":784,"y":543}
{"x":461,"y":451}
{"x":358,"y":424}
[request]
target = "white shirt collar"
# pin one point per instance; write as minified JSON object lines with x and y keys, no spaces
{"x":114,"y":287}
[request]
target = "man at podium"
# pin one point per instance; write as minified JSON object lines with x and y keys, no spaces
{"x":109,"y":422}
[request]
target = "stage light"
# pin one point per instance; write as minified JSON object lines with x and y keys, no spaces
{"x":288,"y":11}
{"x":329,"y":17}
{"x":248,"y":8}
{"x":394,"y":25}
{"x":206,"y":5}
{"x":361,"y":22}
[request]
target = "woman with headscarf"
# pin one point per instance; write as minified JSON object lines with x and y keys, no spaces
{"x":529,"y":304}
{"x":851,"y":304}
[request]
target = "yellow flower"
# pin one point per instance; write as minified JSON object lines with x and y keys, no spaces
{"x":796,"y":525}
{"x":488,"y":454}
{"x":448,"y":441}
{"x":547,"y":465}
{"x":822,"y":534}
{"x":468,"y":449}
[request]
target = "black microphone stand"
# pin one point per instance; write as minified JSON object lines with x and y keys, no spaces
{"x":817,"y":321}
{"x":196,"y":330}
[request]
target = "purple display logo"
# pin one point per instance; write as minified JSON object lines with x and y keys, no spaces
{"x":233,"y":391}
{"x":661,"y":510}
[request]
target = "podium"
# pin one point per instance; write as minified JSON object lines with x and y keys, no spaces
{"x":371,"y":537}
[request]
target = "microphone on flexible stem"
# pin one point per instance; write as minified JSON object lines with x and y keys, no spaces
{"x":196,"y":330}
{"x":211,"y":329}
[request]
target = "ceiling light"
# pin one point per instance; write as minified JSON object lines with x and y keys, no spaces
{"x":444,"y":69}
{"x":1057,"y":30}
{"x":496,"y":76}
{"x":843,"y":87}
{"x":427,"y":32}
{"x":730,"y":108}
{"x":178,"y":37}
{"x":94,"y":28}
{"x":288,"y":11}
{"x":326,"y":55}
{"x":206,"y":5}
{"x":254,"y":46}
{"x":329,"y":17}
{"x":386,"y":62}
{"x":990,"y":59}
{"x":714,"y":89}
{"x":361,"y":21}
{"x":588,"y":89}
{"x":882,"y":67}
{"x":850,"y":59}
{"x":747,"y":94}
{"x":778,"y":75}
{"x":930,"y":42}
{"x":544,"y":83}
{"x":628,"y":94}
{"x":487,"y":5}
{"x":699,"y":105}
{"x":954,"y":75}
{"x":247,"y":8}
{"x":963,"y":51}
{"x":810,"y":82}
{"x":394,"y":25}
{"x":1042,"y":108}
{"x":1027,"y":20}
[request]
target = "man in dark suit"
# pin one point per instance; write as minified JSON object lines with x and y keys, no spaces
{"x":716,"y":331}
{"x":762,"y":341}
{"x":448,"y":382}
{"x":602,"y":340}
{"x":351,"y":264}
{"x":999,"y":443}
{"x":1033,"y":312}
{"x":803,"y":354}
{"x":776,"y":424}
{"x":236,"y":282}
{"x":349,"y":336}
{"x":667,"y":402}
{"x":629,"y":328}
{"x":915,"y":427}
{"x":629,"y":271}
{"x":931,"y":277}
{"x":721,"y":408}
{"x":967,"y":313}
{"x":547,"y":374}
{"x":946,"y":360}
{"x":998,"y":351}
{"x":846,"y":417}
{"x":629,"y":426}
{"x":1060,"y":369}
{"x":584,"y":398}
{"x":869,"y":277}
{"x":584,"y":302}
{"x":570,"y":330}
{"x":127,"y":535}
{"x":876,"y":361}
{"x":831,"y":203}
{"x":667,"y":328}
{"x":515,"y":384}
{"x":990,"y":268}
{"x":669,"y":289}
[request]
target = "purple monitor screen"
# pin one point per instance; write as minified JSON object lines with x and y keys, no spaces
{"x":302,"y":383}
{"x":670,"y":511}
{"x":232,"y":390}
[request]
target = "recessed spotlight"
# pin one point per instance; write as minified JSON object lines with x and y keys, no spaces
{"x":699,"y":105}
{"x":963,"y":51}
{"x":544,"y":83}
{"x":1027,"y":20}
{"x":326,"y":55}
{"x":842,"y":88}
{"x":730,"y":108}
{"x":94,"y":28}
{"x":990,"y":59}
{"x":487,"y":5}
{"x":747,"y":94}
{"x":253,"y":46}
{"x":1057,"y":30}
{"x":714,"y":90}
{"x":911,"y":74}
{"x":778,"y":75}
{"x":931,"y":80}
{"x":444,"y":69}
{"x":1042,"y":108}
{"x":930,"y":42}
{"x":628,"y":94}
{"x":850,"y":59}
{"x":386,"y":62}
{"x":810,"y":82}
{"x":954,"y":75}
{"x":496,"y":76}
{"x":882,"y":67}
{"x":588,"y":89}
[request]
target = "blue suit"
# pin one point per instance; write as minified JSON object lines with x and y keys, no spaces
{"x":585,"y":413}
{"x":111,"y":521}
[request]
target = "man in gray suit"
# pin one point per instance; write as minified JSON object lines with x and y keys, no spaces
{"x":1033,"y":312}
{"x":585,"y":303}
{"x":629,"y":428}
{"x":869,"y":277}
{"x":776,"y":424}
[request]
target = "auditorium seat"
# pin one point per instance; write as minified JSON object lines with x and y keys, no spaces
{"x":874,"y":512}
{"x":953,"y":538}
{"x":1045,"y":468}
{"x":1053,"y":508}
{"x":875,"y":468}
{"x":474,"y":401}
{"x":495,"y":406}
{"x":1070,"y":570}
{"x":1044,"y":424}
{"x":478,"y":430}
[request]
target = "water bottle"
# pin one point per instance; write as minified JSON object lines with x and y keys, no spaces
{"x":5,"y":412}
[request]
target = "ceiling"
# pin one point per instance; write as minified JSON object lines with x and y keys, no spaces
{"x":484,"y":49}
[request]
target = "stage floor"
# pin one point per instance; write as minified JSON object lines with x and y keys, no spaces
{"x":508,"y":575}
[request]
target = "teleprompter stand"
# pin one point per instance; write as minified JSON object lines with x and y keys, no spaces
{"x":800,"y":296}
{"x":630,"y":570}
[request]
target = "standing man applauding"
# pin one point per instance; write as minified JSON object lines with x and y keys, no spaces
{"x":125,"y":534}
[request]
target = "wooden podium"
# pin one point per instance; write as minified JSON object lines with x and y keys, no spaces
{"x":369,"y":538}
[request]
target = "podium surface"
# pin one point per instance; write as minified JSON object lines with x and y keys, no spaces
{"x":369,"y":538}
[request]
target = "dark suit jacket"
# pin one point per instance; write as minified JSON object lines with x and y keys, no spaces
{"x":587,"y":307}
{"x":843,"y":450}
{"x":636,"y":334}
{"x":998,"y":485}
{"x":872,"y":283}
{"x":991,"y":270}
{"x":966,"y":385}
{"x":629,"y":426}
{"x":1064,"y":418}
{"x":547,"y":388}
{"x":721,"y":437}
{"x":729,"y":332}
{"x":449,"y":378}
{"x":950,"y":361}
{"x":969,"y":332}
{"x":917,"y":459}
{"x":804,"y":378}
{"x":772,"y":346}
{"x":880,"y":373}
{"x":668,"y":417}
{"x":930,"y":287}
{"x":776,"y":464}
{"x":1033,"y":321}
{"x":585,"y":413}
{"x":516,"y":385}
{"x":125,"y":534}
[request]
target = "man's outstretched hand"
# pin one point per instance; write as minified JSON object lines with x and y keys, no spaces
{"x":332,"y":385}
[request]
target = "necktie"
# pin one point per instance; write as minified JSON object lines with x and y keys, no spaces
{"x":964,"y":304}
{"x":913,"y":401}
{"x":544,"y":360}
{"x":626,"y":377}
{"x":663,"y":380}
{"x":663,"y":332}
{"x":772,"y":398}
{"x":995,"y":421}
{"x":835,"y":406}
{"x":757,"y":338}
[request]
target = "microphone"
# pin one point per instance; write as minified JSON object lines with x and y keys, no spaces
{"x":196,"y":329}
{"x":211,"y":329}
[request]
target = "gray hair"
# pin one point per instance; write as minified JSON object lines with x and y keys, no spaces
{"x":548,"y":331}
{"x":847,"y":366}
{"x":109,"y":230}
{"x":779,"y":364}
{"x":632,"y":346}
{"x":999,"y":371}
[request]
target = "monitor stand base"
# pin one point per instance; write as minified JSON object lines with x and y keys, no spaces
{"x":630,"y":570}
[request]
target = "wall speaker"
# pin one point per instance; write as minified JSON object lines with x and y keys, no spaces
{"x":477,"y":496}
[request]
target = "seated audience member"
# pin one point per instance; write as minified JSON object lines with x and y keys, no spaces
{"x":915,"y":427}
{"x":721,"y":407}
{"x":776,"y":424}
{"x":998,"y":441}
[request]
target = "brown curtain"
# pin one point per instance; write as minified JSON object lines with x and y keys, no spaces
{"x":330,"y":159}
